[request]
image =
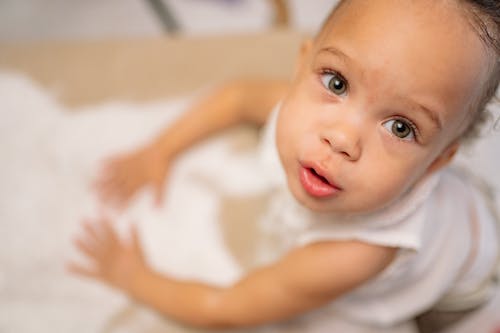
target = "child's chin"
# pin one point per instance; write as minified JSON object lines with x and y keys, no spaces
{"x":317,"y":204}
{"x":337,"y":205}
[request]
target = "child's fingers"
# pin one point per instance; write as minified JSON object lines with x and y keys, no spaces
{"x":86,"y":248}
{"x":91,"y":231}
{"x":120,"y":203}
{"x":119,"y":193}
{"x":136,"y":242}
{"x":126,"y":192}
{"x":105,"y":191}
{"x":81,"y":270}
{"x":113,"y":177}
{"x":109,"y":233}
{"x":112,"y":164}
{"x":105,"y":186}
{"x":111,"y":188}
{"x":97,"y":238}
{"x":109,"y":165}
{"x":107,"y":174}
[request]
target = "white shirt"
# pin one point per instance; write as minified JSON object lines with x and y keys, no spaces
{"x":442,"y":252}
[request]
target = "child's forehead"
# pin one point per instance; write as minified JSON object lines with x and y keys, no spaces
{"x":424,"y":46}
{"x":383,"y":21}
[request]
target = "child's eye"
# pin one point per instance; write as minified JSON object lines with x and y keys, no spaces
{"x":400,"y":128}
{"x":334,"y":82}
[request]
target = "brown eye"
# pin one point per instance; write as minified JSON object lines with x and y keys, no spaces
{"x":400,"y":129}
{"x":335,"y":83}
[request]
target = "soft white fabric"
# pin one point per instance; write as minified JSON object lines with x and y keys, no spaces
{"x":431,"y":225}
{"x":49,"y":157}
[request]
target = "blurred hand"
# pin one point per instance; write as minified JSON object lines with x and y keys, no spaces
{"x":112,"y":260}
{"x":122,"y":176}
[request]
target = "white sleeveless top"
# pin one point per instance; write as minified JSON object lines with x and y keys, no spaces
{"x":441,"y":252}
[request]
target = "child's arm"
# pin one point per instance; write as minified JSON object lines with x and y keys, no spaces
{"x":237,"y":102}
{"x":305,"y":279}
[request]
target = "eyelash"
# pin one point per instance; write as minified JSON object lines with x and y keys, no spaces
{"x":411,"y":124}
{"x":328,"y":71}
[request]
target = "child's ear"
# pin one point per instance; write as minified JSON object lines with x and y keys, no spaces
{"x":445,"y":158}
{"x":305,"y":50}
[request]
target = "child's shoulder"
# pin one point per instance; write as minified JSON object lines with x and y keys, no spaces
{"x":461,"y":185}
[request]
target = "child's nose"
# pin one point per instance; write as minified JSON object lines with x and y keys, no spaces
{"x":343,"y":139}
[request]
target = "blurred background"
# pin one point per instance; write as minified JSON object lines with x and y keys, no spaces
{"x":35,"y":20}
{"x":87,"y":52}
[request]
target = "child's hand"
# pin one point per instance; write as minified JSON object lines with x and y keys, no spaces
{"x":112,"y":260}
{"x":121,"y":177}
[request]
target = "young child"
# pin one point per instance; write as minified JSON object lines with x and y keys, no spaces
{"x":358,"y":148}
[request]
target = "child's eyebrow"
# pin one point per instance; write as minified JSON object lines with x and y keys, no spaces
{"x":336,"y":52}
{"x":433,"y":116}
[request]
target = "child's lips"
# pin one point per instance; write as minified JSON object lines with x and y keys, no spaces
{"x":315,"y":184}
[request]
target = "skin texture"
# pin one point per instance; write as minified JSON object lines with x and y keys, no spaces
{"x":268,"y":294}
{"x":393,"y":52}
{"x":395,"y":59}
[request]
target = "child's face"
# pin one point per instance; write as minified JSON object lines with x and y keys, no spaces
{"x":378,"y":102}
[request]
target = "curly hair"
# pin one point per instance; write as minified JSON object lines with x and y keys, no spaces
{"x":484,"y":16}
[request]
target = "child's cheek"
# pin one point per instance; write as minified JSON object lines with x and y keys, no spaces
{"x":388,"y":177}
{"x":396,"y":148}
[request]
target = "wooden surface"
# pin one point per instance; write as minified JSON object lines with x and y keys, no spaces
{"x":146,"y":69}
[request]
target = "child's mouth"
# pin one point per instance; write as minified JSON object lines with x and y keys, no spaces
{"x":315,"y":184}
{"x":323,"y":179}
